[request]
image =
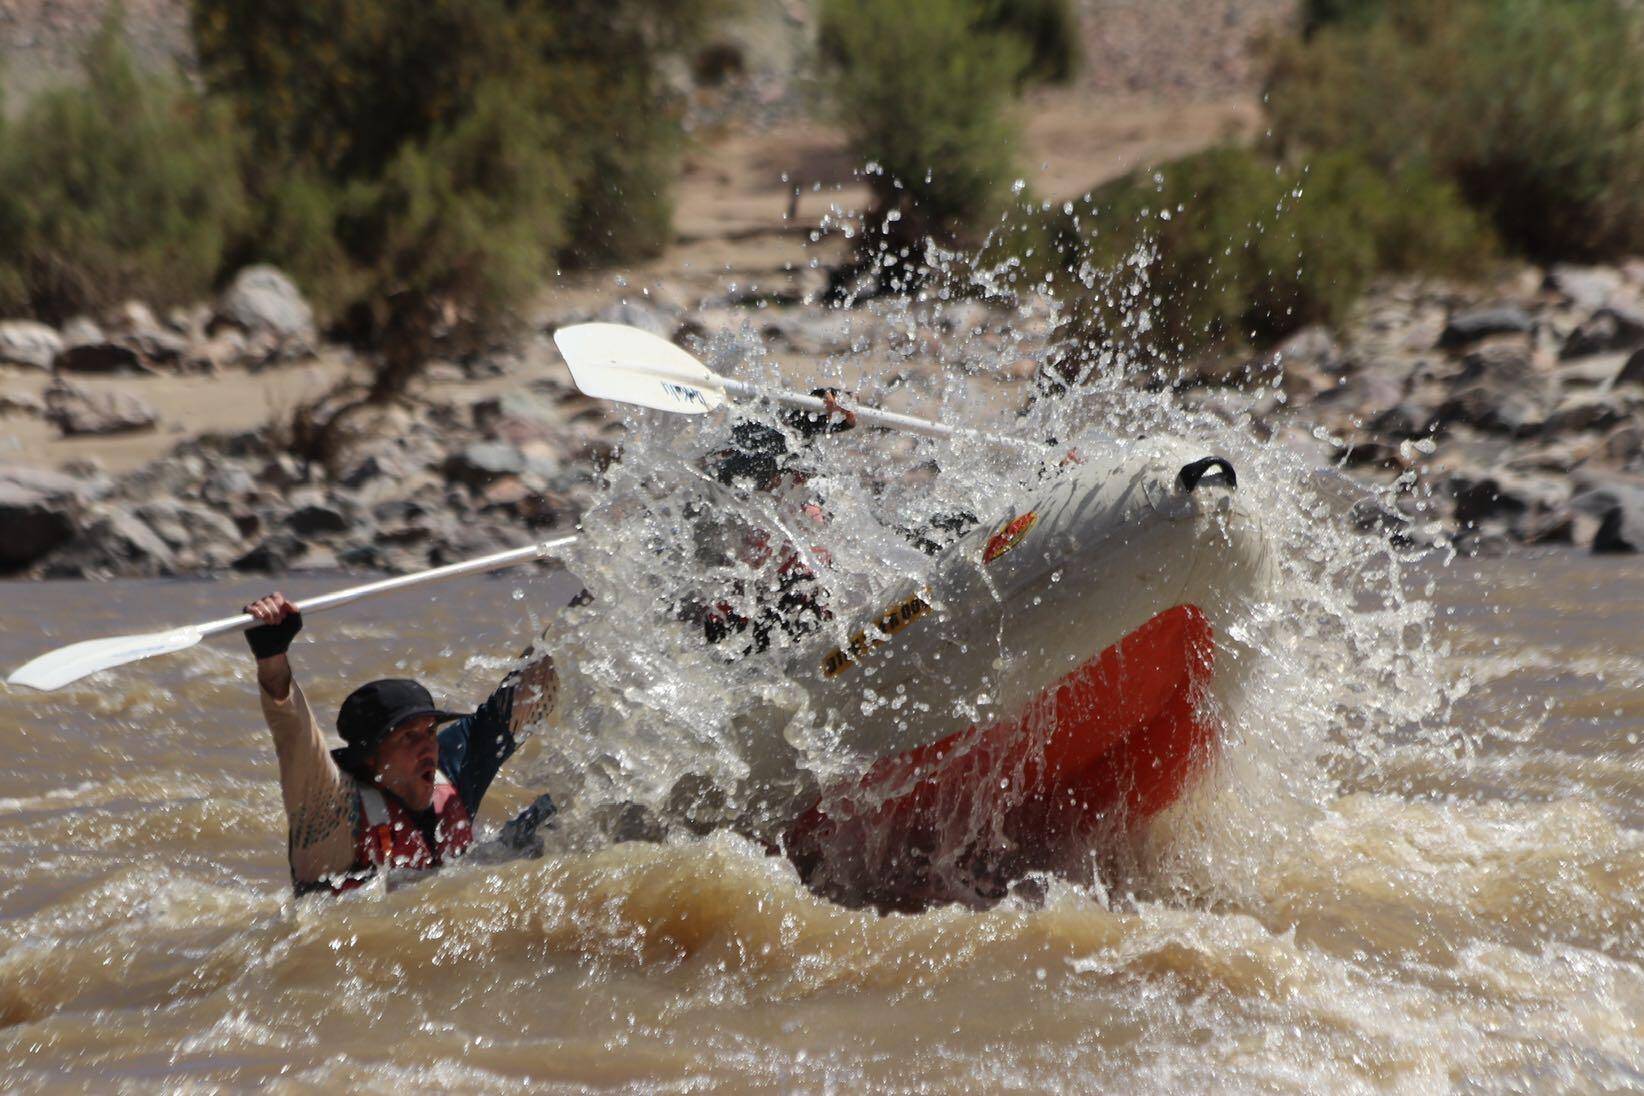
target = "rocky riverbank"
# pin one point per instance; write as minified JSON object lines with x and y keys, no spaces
{"x":1508,"y":414}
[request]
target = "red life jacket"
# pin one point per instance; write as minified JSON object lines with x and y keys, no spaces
{"x":391,"y":837}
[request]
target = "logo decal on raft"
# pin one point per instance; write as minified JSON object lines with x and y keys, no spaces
{"x":890,"y":622}
{"x":1013,"y":533}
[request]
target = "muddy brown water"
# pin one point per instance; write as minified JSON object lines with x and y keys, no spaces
{"x":1462,"y":912}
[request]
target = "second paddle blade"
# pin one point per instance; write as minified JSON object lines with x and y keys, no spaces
{"x":610,"y":361}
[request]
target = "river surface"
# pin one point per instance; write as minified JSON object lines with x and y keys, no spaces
{"x":1460,"y":908}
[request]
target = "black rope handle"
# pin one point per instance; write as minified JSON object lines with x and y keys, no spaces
{"x":1191,"y":474}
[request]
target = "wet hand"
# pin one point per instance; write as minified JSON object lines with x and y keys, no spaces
{"x":835,"y":411}
{"x":281,"y":621}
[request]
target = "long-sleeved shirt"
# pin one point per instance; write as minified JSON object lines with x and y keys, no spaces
{"x":322,"y":803}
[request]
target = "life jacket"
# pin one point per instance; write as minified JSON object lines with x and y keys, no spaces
{"x":391,"y":837}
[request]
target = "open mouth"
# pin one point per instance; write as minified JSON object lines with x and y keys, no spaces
{"x":427,"y":774}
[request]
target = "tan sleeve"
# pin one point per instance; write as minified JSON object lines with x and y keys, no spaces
{"x":321,"y":806}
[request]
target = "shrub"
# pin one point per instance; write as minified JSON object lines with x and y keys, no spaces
{"x":125,"y":186}
{"x":1242,"y":251}
{"x":922,"y":88}
{"x":1318,"y":14}
{"x":1533,"y":108}
{"x":1048,"y":28}
{"x":423,"y":166}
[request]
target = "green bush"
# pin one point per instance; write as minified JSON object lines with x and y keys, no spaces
{"x":125,"y":186}
{"x":1318,"y":14}
{"x":421,"y":167}
{"x":1048,"y":28}
{"x":1225,"y":249}
{"x":1533,"y":108}
{"x":922,"y":88}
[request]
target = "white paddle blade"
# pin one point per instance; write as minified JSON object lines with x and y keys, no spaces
{"x":58,"y":668}
{"x":611,"y":361}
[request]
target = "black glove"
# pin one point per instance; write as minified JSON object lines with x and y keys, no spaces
{"x":268,"y":640}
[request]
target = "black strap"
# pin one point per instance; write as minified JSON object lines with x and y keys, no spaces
{"x":1191,"y":474}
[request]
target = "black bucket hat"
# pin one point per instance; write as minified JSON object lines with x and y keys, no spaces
{"x":372,"y":711}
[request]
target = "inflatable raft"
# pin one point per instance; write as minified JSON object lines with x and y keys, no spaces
{"x":1056,"y":684}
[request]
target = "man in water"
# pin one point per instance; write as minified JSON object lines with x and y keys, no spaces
{"x":399,"y":794}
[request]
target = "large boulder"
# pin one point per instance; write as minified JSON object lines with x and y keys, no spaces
{"x":38,"y":511}
{"x":261,"y":299}
{"x":76,"y":411}
{"x":24,"y":342}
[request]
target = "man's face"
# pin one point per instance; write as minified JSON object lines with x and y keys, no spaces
{"x":405,"y":762}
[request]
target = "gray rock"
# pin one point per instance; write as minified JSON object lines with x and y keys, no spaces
{"x":102,"y":357}
{"x":1592,"y":411}
{"x":113,"y":540}
{"x":263,"y":299}
{"x":828,"y":332}
{"x":76,"y":411}
{"x":1588,"y":287}
{"x":38,"y":511}
{"x":1616,"y":327}
{"x":1622,"y":447}
{"x":1469,"y":327}
{"x":317,"y":520}
{"x":82,"y":331}
{"x":182,"y":526}
{"x":1619,"y":506}
{"x":1593,"y":371}
{"x":24,"y":342}
{"x":482,"y":462}
{"x":1312,"y":348}
{"x":22,"y":404}
{"x":1632,"y":372}
{"x":1504,"y":497}
{"x":156,"y":346}
{"x":643,"y":314}
{"x":274,"y":552}
{"x":1491,"y":408}
{"x":227,"y":482}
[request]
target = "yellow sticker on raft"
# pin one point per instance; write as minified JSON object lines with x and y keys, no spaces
{"x":1010,"y":535}
{"x":890,"y":622}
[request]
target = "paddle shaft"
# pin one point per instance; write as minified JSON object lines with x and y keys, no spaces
{"x":494,"y":562}
{"x":868,"y":416}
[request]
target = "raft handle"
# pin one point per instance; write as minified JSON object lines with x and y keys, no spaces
{"x":1192,"y":474}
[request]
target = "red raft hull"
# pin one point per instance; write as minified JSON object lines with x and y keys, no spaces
{"x":1091,"y":758}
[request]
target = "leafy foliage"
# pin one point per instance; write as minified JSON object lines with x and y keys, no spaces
{"x":1048,"y":28}
{"x":124,"y":186}
{"x":922,"y":88}
{"x":1533,"y":108}
{"x":424,"y":166}
{"x":1226,"y":249}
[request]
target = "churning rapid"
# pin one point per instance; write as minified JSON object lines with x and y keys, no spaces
{"x":1413,"y":863}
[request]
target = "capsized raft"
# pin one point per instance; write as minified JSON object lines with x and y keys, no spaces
{"x":1056,"y":683}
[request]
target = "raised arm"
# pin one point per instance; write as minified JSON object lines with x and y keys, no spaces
{"x":474,"y":748}
{"x":320,"y":806}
